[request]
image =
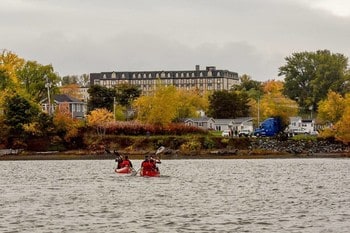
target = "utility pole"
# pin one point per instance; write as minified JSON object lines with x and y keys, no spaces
{"x":114,"y":108}
{"x":258,"y":111}
{"x":48,"y":85}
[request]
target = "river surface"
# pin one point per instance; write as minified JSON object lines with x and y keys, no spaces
{"x":272,"y":195}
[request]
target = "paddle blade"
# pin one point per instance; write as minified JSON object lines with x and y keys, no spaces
{"x":160,"y":150}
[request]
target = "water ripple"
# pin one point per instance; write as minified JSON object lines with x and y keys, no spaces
{"x":289,"y":195}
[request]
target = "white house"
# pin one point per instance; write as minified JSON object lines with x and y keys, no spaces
{"x":201,"y":122}
{"x":236,"y":125}
{"x":298,"y":124}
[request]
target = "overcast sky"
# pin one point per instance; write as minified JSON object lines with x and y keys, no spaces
{"x":246,"y":36}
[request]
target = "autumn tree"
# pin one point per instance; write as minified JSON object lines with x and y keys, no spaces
{"x":342,"y":127}
{"x":167,"y":105}
{"x":159,"y":108}
{"x":5,"y":80}
{"x":99,"y":119}
{"x":274,"y":104}
{"x":332,"y":108}
{"x":10,"y":63}
{"x":309,"y":76}
{"x":66,"y":126}
{"x":335,"y":110}
{"x":190,"y":102}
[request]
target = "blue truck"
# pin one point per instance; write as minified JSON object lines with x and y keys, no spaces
{"x":269,"y":127}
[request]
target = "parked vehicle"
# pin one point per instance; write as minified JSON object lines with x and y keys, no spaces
{"x":300,"y":131}
{"x":270,"y":127}
{"x":245,"y":133}
{"x":226,"y":133}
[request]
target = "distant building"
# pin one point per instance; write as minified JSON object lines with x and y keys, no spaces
{"x":210,"y":79}
{"x":76,"y":107}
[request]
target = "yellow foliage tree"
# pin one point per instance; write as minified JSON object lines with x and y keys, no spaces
{"x":159,"y":109}
{"x":272,"y":86}
{"x":343,"y":127}
{"x":190,"y":101}
{"x":11,"y":63}
{"x":336,"y":110}
{"x":274,"y":103}
{"x":168,"y":104}
{"x":331,"y":109}
{"x":99,"y":119}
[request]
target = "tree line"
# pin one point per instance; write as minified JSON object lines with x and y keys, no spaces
{"x":314,"y":82}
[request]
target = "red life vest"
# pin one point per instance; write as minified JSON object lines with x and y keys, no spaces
{"x":125,"y":163}
{"x":147,"y":166}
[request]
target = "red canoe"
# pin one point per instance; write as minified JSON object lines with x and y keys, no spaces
{"x":124,"y":170}
{"x":150,"y":173}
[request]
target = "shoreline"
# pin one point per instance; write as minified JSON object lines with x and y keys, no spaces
{"x":82,"y":155}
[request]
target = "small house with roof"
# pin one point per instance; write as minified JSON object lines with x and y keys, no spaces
{"x":76,"y":107}
{"x":201,"y":122}
{"x":237,"y":124}
{"x":243,"y":123}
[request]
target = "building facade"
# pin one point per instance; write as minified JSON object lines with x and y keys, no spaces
{"x":74,"y":106}
{"x":210,"y":79}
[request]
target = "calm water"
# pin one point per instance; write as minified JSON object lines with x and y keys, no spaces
{"x":285,"y":195}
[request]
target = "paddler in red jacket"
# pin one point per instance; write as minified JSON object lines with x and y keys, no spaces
{"x":126,"y":162}
{"x":147,"y":165}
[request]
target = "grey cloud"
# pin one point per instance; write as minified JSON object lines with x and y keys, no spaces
{"x":247,"y":36}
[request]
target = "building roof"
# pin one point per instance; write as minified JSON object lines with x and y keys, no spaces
{"x":60,"y":98}
{"x":242,"y":119}
{"x":223,"y":121}
{"x":200,"y":119}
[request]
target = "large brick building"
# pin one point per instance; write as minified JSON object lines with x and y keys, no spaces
{"x":203,"y":80}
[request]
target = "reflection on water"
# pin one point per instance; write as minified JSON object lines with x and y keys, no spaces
{"x":287,"y":195}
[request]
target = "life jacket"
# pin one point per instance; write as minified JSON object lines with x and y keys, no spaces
{"x":125,"y":163}
{"x":147,"y":166}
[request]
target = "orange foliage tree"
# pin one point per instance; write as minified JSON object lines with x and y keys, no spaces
{"x":65,"y":125}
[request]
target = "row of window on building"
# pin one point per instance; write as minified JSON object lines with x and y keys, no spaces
{"x":166,"y":75}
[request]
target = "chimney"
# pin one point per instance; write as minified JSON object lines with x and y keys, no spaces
{"x":197,"y":67}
